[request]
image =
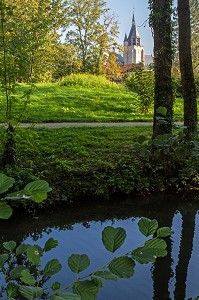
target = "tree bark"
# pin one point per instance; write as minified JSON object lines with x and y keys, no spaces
{"x":162,"y":27}
{"x":186,"y":68}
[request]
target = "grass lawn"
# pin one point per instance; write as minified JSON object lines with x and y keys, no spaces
{"x":77,"y":162}
{"x":54,"y":103}
{"x":75,"y":148}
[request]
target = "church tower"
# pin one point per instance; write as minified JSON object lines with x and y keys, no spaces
{"x":133,"y":51}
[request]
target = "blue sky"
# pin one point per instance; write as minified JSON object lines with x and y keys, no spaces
{"x":124,"y":11}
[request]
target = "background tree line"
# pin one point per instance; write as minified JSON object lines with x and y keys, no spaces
{"x":32,"y":31}
{"x":31,"y":49}
{"x":46,"y":40}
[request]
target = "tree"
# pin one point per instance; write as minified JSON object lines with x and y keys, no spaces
{"x":30,"y":30}
{"x":66,"y":61}
{"x":112,"y":69}
{"x":92,"y":33}
{"x":24,"y":28}
{"x":186,"y":69}
{"x":160,"y":21}
{"x":194,"y":10}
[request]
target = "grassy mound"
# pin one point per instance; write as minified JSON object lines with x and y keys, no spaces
{"x":88,"y":81}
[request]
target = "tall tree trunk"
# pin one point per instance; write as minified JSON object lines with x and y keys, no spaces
{"x":187,"y":76}
{"x":160,"y":20}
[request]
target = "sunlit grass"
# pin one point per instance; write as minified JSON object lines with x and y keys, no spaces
{"x":55,"y":103}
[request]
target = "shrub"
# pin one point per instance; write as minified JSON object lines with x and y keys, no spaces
{"x":169,"y":161}
{"x":142,"y":83}
{"x":88,"y":81}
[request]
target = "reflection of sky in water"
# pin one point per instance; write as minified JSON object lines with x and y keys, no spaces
{"x":82,"y":240}
{"x":177,"y":227}
{"x":168,"y":273}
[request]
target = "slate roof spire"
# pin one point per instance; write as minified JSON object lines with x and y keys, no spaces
{"x":125,"y":38}
{"x":134,"y":34}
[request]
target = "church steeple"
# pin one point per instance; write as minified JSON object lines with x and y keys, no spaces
{"x":133,"y":20}
{"x":125,"y":38}
{"x":133,"y":51}
{"x":134,"y":37}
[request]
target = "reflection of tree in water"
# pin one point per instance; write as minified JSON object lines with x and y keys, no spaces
{"x":185,"y":252}
{"x":162,"y":207}
{"x":162,"y":271}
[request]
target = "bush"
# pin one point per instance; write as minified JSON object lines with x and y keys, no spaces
{"x":142,"y":83}
{"x":169,"y":161}
{"x":88,"y":81}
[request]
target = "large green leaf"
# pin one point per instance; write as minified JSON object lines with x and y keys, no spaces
{"x":34,"y":254}
{"x":5,"y":211}
{"x":19,"y":195}
{"x":16,"y":272}
{"x":52,"y":267}
{"x":77,"y":263}
{"x":147,"y":226}
{"x":86,"y":289}
{"x":106,"y":275}
{"x":38,"y":198}
{"x":113,"y":238}
{"x":21,"y":249}
{"x":12,"y":290}
{"x":164,"y":232}
{"x":50,"y":244}
{"x":30,"y":293}
{"x":36,"y":190}
{"x":27,"y":278}
{"x":5,"y":183}
{"x":144,"y":255}
{"x":98,"y":281}
{"x":65,"y":296}
{"x":122,"y":266}
{"x":158,"y":245}
{"x":10,"y":246}
{"x":38,"y":187}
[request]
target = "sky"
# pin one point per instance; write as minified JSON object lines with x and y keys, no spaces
{"x":123,"y":9}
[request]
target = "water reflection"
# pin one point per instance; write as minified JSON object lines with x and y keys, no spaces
{"x":78,"y":226}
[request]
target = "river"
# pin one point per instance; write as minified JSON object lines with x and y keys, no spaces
{"x":78,"y":229}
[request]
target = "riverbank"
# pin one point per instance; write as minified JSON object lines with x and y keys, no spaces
{"x":96,"y":162}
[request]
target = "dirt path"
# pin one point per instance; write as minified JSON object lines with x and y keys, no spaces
{"x":87,"y":124}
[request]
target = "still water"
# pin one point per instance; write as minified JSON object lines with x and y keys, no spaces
{"x":78,"y":230}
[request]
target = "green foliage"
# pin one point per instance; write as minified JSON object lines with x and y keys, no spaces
{"x":92,"y":31}
{"x":5,"y":211}
{"x":31,"y":281}
{"x":5,"y":183}
{"x":55,"y":103}
{"x":88,"y":81}
{"x":78,"y":263}
{"x":170,"y":160}
{"x":123,"y":267}
{"x":35,"y":191}
{"x":112,"y":238}
{"x":141,"y":82}
{"x":147,"y":227}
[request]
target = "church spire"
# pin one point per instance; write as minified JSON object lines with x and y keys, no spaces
{"x":133,"y":20}
{"x":134,"y":37}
